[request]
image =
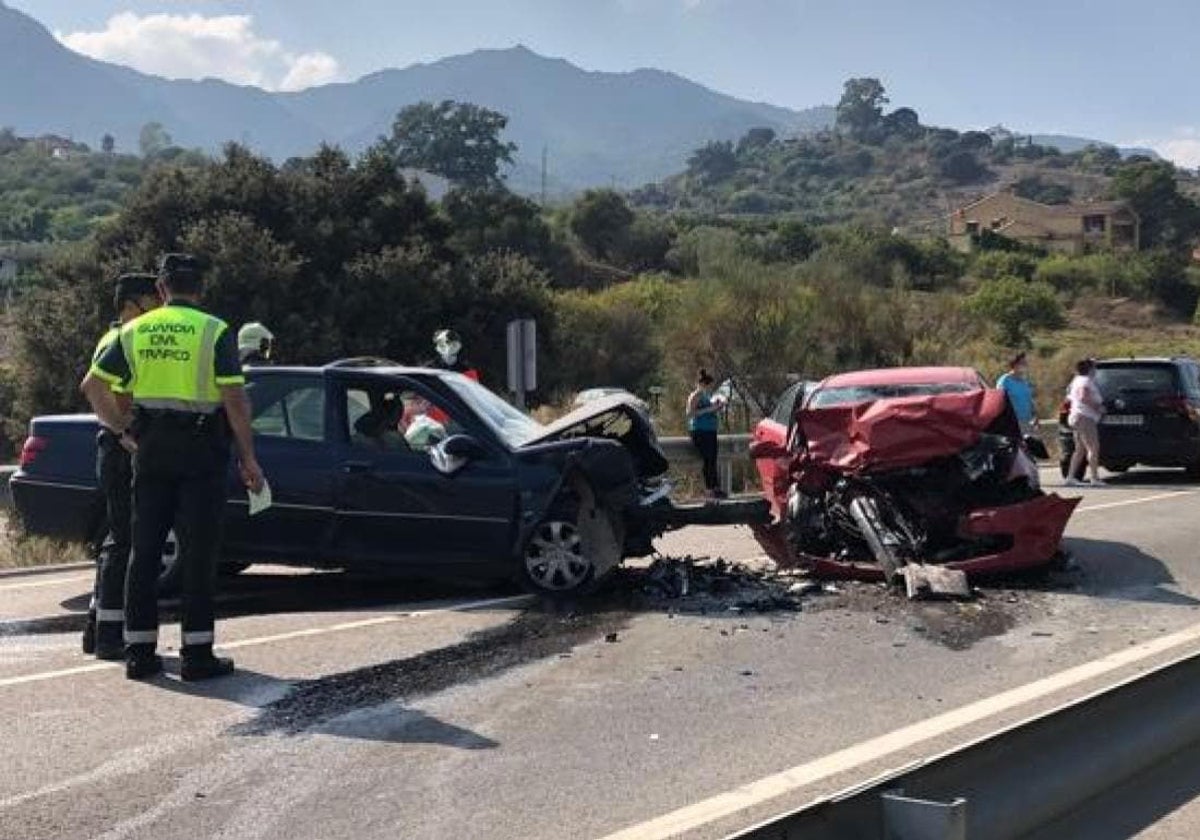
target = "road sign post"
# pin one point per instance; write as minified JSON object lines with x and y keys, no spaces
{"x":522,"y":358}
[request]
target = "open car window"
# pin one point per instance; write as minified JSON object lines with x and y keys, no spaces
{"x":827,"y":397}
{"x":287,"y":407}
{"x":392,"y":418}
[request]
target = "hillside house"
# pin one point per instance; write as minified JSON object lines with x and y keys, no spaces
{"x":1060,"y":228}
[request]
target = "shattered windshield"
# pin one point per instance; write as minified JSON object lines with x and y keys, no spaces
{"x":512,"y":425}
{"x":826,"y":397}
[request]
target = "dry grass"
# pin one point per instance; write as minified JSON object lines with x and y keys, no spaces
{"x":18,"y":552}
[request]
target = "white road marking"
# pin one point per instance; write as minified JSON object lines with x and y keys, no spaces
{"x":37,"y":584}
{"x":859,"y":755}
{"x":469,"y":606}
{"x":1140,"y":501}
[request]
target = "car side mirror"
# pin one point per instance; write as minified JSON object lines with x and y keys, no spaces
{"x":454,"y":453}
{"x":767,"y":449}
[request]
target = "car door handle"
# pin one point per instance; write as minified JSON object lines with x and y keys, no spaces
{"x":357,"y":466}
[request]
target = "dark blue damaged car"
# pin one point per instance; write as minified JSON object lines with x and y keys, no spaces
{"x":409,"y":471}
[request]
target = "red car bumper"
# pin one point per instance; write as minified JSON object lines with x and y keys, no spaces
{"x":1036,"y":528}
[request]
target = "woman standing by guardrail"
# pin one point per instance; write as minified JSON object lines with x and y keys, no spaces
{"x":703,"y":422}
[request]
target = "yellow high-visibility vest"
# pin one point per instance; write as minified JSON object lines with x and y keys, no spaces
{"x":102,"y":346}
{"x":171,"y":352}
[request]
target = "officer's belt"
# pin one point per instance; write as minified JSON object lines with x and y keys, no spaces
{"x":192,"y":407}
{"x":146,"y":420}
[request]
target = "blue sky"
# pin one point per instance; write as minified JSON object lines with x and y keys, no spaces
{"x":1109,"y":69}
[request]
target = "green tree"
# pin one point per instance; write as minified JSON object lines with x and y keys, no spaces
{"x":108,"y":144}
{"x":602,"y":219}
{"x":498,"y":220}
{"x":904,"y":123}
{"x":153,"y":139}
{"x":713,"y":162}
{"x":1036,"y":188}
{"x":961,"y":167}
{"x":9,"y":141}
{"x":861,"y":107}
{"x":602,"y":339}
{"x":755,"y":138}
{"x":457,"y":140}
{"x":1015,"y":307}
{"x":1168,"y":218}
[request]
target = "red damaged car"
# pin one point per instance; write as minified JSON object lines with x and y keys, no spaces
{"x":883,"y":468}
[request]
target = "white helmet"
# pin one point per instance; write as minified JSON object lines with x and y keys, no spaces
{"x":251,"y":337}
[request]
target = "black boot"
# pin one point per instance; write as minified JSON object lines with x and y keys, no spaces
{"x":89,"y":635}
{"x":141,"y":662}
{"x":199,"y":663}
{"x":108,"y":644}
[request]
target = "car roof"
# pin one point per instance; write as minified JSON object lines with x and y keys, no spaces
{"x":903,"y":376}
{"x":391,"y":369}
{"x":1145,"y":360}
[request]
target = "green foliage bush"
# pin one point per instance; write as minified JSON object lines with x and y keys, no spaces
{"x":1015,"y":307}
{"x":992,"y":265}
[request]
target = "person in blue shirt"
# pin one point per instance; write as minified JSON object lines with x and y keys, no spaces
{"x":1020,"y":392}
{"x":703,"y":409}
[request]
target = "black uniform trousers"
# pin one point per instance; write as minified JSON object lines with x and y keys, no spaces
{"x":114,"y":474}
{"x":179,"y":475}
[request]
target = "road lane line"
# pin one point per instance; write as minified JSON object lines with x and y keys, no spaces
{"x":469,"y":606}
{"x":859,"y":755}
{"x":1139,"y":501}
{"x":37,"y":584}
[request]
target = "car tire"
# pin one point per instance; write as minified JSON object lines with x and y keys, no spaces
{"x":553,"y":561}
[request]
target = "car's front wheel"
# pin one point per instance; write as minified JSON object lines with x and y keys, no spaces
{"x":554,"y":561}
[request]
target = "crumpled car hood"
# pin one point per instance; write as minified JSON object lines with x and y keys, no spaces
{"x":619,"y":417}
{"x":904,"y":432}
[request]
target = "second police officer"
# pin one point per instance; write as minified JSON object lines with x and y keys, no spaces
{"x":135,"y":294}
{"x":180,"y":366}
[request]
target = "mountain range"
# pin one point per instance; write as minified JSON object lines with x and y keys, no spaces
{"x":595,"y":128}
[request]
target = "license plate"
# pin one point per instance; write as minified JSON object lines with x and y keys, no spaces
{"x":1124,"y":420}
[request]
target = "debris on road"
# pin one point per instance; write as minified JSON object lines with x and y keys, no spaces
{"x":700,"y":585}
{"x":923,"y":581}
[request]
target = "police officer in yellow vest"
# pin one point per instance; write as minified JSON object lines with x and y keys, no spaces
{"x":180,"y":365}
{"x":136,"y":294}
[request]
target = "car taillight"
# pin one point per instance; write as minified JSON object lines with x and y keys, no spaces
{"x":32,"y":448}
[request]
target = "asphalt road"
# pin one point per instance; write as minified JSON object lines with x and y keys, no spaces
{"x":370,"y":709}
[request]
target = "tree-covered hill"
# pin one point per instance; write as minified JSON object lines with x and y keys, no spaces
{"x":882,"y":167}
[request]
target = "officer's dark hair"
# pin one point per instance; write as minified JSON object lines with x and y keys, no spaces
{"x":130,"y":287}
{"x":1018,"y":359}
{"x":703,"y":377}
{"x":181,"y":273}
{"x":1085,"y":366}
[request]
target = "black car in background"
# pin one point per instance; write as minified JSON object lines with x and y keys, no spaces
{"x":1151,"y":415}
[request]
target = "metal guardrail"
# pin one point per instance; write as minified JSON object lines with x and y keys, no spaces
{"x":1020,"y":779}
{"x":680,"y":451}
